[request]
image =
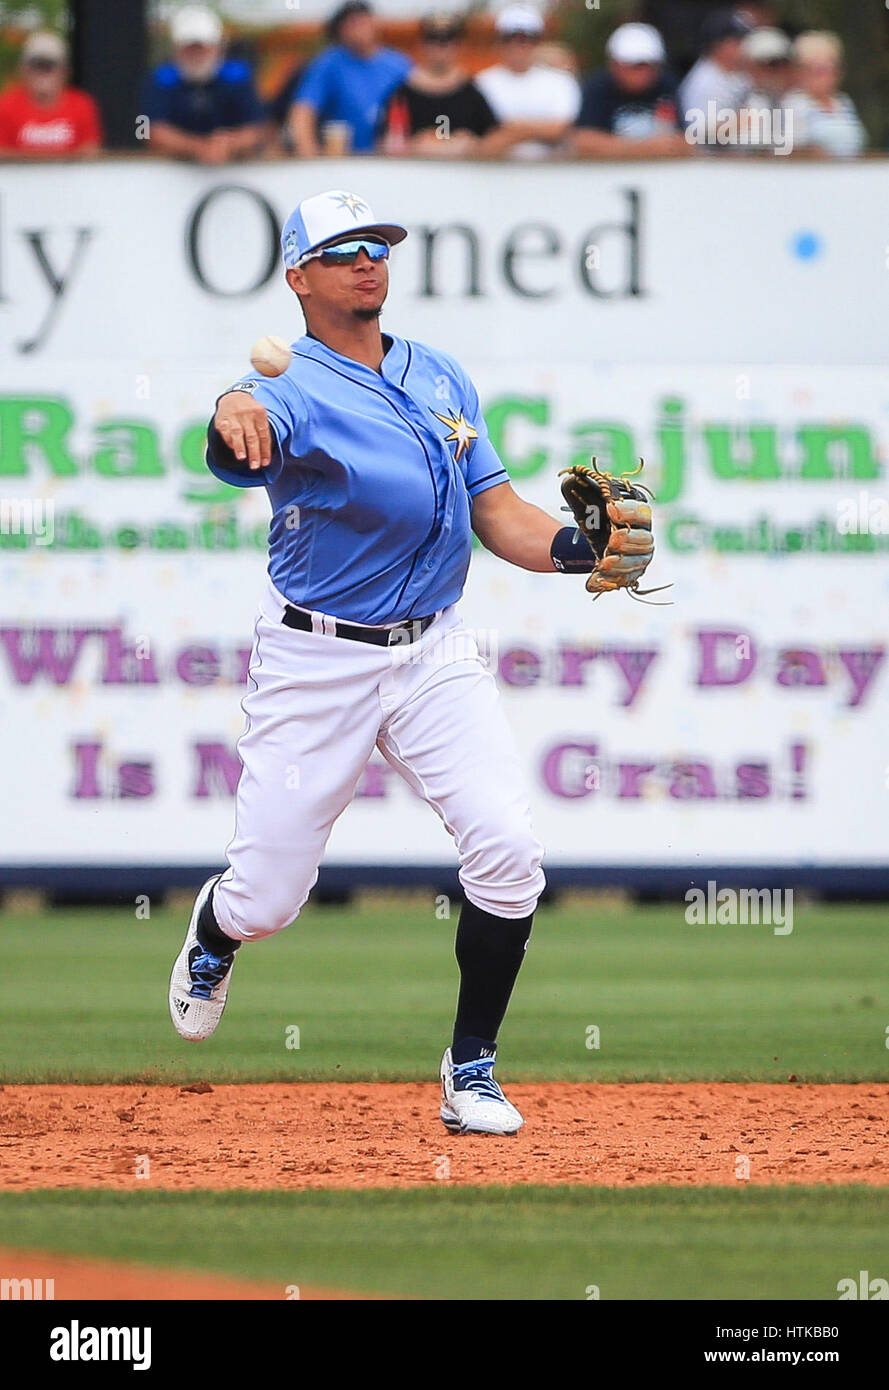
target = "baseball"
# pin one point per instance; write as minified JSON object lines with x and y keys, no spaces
{"x":271,"y":356}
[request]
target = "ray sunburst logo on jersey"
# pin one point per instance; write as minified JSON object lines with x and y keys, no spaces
{"x":461,"y":432}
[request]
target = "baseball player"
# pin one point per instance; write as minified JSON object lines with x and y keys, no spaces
{"x":376,"y":459}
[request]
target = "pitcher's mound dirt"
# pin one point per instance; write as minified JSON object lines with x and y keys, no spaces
{"x":76,"y":1278}
{"x":389,"y":1135}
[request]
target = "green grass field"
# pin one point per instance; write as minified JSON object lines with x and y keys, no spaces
{"x":483,"y":1243}
{"x":372,"y":990}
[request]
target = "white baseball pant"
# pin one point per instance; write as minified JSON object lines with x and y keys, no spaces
{"x":317,"y":706}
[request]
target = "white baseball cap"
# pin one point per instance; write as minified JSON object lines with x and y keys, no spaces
{"x":519,"y":19}
{"x":45,"y":45}
{"x":195,"y":24}
{"x":767,"y":45}
{"x":329,"y":217}
{"x":636,"y":43}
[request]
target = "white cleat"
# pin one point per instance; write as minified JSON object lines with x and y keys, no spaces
{"x":199,"y":982}
{"x":471,"y":1100}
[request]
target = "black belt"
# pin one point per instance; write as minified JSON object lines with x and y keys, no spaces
{"x":401,"y":634}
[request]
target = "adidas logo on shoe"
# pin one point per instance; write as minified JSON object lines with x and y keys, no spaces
{"x":182,"y":1006}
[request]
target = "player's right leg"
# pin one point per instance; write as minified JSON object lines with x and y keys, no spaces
{"x":313,"y":714}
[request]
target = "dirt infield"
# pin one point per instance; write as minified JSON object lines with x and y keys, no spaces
{"x":388,"y":1135}
{"x":76,"y":1278}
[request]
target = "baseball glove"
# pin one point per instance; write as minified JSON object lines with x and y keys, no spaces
{"x":615,"y":518}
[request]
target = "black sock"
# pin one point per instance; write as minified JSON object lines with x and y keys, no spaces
{"x":208,"y":933}
{"x":489,"y":951}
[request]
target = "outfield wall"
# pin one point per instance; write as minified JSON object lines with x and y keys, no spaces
{"x":727,"y":323}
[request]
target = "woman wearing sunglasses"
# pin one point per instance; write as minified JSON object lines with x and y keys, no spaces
{"x":438,"y":111}
{"x":378,"y":466}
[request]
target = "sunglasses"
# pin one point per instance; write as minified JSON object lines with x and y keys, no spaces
{"x":347,"y":252}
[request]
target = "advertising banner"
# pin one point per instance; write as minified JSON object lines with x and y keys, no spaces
{"x":743,"y":724}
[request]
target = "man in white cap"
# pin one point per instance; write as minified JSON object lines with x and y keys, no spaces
{"x":378,"y":467}
{"x":763,"y":123}
{"x":202,"y":106}
{"x":767,"y":53}
{"x":40,"y":114}
{"x":535,"y":104}
{"x":629,"y":109}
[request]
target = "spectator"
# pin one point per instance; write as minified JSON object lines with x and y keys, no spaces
{"x":202,"y":106}
{"x":40,"y":114}
{"x":629,"y":109}
{"x":349,"y":83}
{"x":767,"y":55}
{"x":764,"y":125}
{"x":522,"y":92}
{"x":438,"y":110}
{"x":718,"y":76}
{"x":825,"y":122}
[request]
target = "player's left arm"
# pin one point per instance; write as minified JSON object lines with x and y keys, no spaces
{"x":508,"y":526}
{"x":513,"y":529}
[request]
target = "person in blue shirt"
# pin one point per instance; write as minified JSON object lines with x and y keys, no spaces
{"x":378,"y":466}
{"x":202,"y":106}
{"x":347,"y":83}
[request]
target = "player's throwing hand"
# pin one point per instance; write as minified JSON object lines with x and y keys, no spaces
{"x":244,"y":426}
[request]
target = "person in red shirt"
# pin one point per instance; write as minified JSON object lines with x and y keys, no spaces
{"x":40,"y":114}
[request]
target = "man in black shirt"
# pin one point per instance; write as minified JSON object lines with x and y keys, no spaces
{"x":629,"y":109}
{"x":202,"y":106}
{"x":438,"y":110}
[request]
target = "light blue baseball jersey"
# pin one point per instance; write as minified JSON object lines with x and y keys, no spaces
{"x":382,"y":467}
